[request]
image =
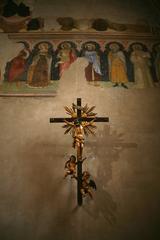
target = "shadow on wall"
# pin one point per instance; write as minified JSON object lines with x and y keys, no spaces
{"x":106,"y":149}
{"x":47,"y":202}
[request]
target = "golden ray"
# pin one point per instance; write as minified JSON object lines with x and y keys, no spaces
{"x":88,"y":128}
{"x":69,"y":110}
{"x":90,"y":109}
{"x":68,"y":130}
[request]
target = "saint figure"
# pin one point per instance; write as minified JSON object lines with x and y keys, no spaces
{"x":39,"y":70}
{"x":157,"y":62}
{"x":16,"y":68}
{"x":141,"y":60}
{"x":66,"y":56}
{"x":93,"y":70}
{"x":117,"y":66}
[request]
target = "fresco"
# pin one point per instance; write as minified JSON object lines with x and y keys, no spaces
{"x":39,"y":67}
{"x":141,"y":60}
{"x":66,"y":54}
{"x":16,"y":67}
{"x":117,"y":64}
{"x":92,"y":52}
{"x":156,"y":62}
{"x":22,"y":16}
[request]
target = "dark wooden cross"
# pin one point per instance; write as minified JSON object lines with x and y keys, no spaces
{"x":79,"y":119}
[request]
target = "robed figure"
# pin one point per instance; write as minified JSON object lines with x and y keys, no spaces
{"x":141,"y":59}
{"x":66,"y":54}
{"x":156,"y":62}
{"x":40,"y":65}
{"x":94,"y":71}
{"x":117,"y":64}
{"x":15,"y":70}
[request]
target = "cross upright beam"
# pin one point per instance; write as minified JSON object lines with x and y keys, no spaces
{"x":79,"y":160}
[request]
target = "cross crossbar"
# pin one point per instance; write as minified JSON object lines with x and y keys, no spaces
{"x":81,"y":119}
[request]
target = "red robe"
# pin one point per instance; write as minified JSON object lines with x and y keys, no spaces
{"x":17,"y":67}
{"x":64,"y":66}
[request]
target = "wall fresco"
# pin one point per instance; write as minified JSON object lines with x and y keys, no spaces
{"x":39,"y":66}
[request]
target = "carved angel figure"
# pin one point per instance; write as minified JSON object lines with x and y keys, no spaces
{"x":70,"y":167}
{"x":87,"y":185}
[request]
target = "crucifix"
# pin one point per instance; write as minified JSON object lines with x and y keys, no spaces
{"x":81,"y":122}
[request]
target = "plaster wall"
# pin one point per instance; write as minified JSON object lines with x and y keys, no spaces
{"x":36,"y":203}
{"x":122,"y":11}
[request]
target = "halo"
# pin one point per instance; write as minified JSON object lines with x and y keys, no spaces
{"x":137,"y":45}
{"x":44,"y":44}
{"x":90,"y":45}
{"x":65,"y":44}
{"x":113,"y":45}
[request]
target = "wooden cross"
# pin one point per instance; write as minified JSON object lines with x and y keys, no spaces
{"x":79,"y":119}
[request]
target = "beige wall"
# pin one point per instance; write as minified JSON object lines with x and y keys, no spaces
{"x":115,"y":10}
{"x":123,"y":11}
{"x":37,"y":204}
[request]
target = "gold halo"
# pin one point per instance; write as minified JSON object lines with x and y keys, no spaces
{"x":137,"y":45}
{"x":113,"y":45}
{"x":90,"y":45}
{"x":65,"y":44}
{"x":43,"y":44}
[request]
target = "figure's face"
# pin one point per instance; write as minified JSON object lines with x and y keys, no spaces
{"x":65,"y":46}
{"x":73,"y":159}
{"x":86,"y":174}
{"x":90,"y":47}
{"x":43,"y":47}
{"x":114,"y":47}
{"x":137,"y":47}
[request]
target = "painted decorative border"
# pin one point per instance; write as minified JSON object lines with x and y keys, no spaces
{"x":84,"y":35}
